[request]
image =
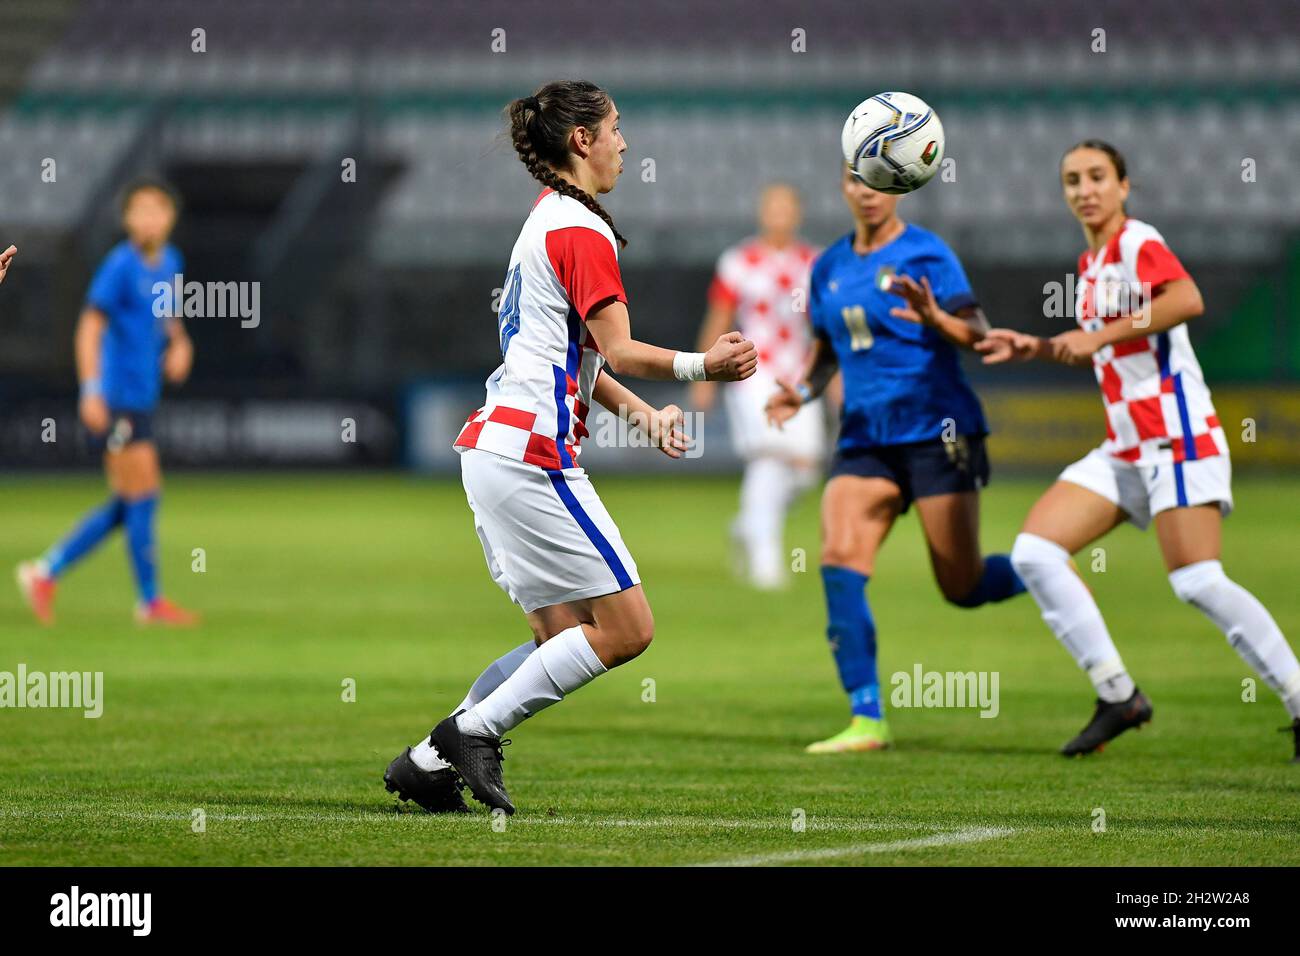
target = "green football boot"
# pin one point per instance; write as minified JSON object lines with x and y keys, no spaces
{"x":862,"y":733}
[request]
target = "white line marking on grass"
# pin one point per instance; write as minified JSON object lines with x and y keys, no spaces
{"x":965,"y":835}
{"x":385,"y":816}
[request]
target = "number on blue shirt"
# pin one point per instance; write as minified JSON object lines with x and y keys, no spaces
{"x":855,"y":319}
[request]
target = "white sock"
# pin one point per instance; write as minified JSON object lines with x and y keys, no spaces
{"x":765,"y":493}
{"x":1072,"y":614}
{"x":425,"y":754}
{"x":557,"y":668}
{"x":495,"y":673}
{"x":1249,"y":627}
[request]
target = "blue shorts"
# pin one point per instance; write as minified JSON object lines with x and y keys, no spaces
{"x":124,"y":428}
{"x":920,"y":469}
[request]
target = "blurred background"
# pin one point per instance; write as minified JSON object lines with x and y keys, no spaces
{"x":377,"y":290}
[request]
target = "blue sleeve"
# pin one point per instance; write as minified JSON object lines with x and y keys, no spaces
{"x":105,"y":291}
{"x":948,"y":279}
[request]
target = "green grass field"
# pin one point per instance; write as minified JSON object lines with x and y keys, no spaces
{"x":312,"y":580}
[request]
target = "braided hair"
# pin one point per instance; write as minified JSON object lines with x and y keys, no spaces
{"x":539,"y":129}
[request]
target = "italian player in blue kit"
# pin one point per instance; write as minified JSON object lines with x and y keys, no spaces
{"x":890,"y":307}
{"x":123,"y":351}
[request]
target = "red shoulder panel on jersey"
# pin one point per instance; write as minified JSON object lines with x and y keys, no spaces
{"x":586,"y":266}
{"x":1156,"y":265}
{"x":722,"y":294}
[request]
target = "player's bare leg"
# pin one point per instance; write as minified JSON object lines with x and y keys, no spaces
{"x":134,"y":471}
{"x":952,"y":532}
{"x":1067,"y":518}
{"x":857,"y":515}
{"x":1190,"y":541}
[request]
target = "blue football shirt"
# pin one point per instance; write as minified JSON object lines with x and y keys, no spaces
{"x":902,"y":381}
{"x":131,"y":357}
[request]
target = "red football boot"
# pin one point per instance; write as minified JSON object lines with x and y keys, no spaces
{"x":38,"y":588}
{"x":162,"y":611}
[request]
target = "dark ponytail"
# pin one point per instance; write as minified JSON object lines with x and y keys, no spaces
{"x":539,"y":129}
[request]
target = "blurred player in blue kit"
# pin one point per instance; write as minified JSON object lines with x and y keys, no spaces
{"x":124,"y":348}
{"x":911,"y":430}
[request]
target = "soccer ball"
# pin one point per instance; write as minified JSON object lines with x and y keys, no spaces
{"x":893,"y":142}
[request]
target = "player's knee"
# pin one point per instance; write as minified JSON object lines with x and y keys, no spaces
{"x":839,"y":552}
{"x":1191,"y":581}
{"x":640,"y":635}
{"x":962,"y":592}
{"x":632,"y":639}
{"x":1031,"y":554}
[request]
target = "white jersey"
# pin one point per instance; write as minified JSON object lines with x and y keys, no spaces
{"x":564,"y":263}
{"x":1158,"y":408}
{"x":768,"y":288}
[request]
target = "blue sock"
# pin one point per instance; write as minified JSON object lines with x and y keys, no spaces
{"x":140,"y":542}
{"x":85,"y":536}
{"x":852,"y":634}
{"x":998,"y":583}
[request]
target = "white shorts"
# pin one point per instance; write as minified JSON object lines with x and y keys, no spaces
{"x":546,"y":536}
{"x":802,"y":438}
{"x":1143,"y":491}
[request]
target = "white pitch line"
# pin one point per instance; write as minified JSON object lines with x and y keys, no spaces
{"x":475,"y":819}
{"x":965,"y":835}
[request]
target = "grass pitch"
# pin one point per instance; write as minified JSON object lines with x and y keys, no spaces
{"x":312,"y":581}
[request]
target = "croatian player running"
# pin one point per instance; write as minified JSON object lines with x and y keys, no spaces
{"x":549,"y":542}
{"x":1164,"y":461}
{"x":760,"y":287}
{"x":123,"y":352}
{"x":911,"y":430}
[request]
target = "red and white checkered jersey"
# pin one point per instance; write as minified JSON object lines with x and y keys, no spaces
{"x":764,"y":285}
{"x":1158,"y":408}
{"x":564,"y":263}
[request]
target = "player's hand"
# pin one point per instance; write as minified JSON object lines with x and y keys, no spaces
{"x":667,"y":433}
{"x":1007,"y":345}
{"x":177,"y":360}
{"x":703,"y":395}
{"x":783,"y":404}
{"x":1074,"y":347}
{"x":6,"y":257}
{"x":733,"y":358}
{"x":94,"y":414}
{"x":922,"y":306}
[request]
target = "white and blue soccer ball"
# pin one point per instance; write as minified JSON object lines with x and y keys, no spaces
{"x":893,"y":142}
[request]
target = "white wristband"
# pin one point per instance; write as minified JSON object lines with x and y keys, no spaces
{"x":689,"y":366}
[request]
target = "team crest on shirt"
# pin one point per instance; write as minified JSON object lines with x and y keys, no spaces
{"x":885,"y":277}
{"x":833,"y":285}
